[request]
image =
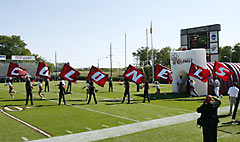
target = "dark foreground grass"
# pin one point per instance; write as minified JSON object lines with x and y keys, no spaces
{"x":79,"y":117}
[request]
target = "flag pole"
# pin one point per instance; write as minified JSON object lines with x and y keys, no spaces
{"x":152,"y":53}
{"x":125,"y":50}
{"x":111,"y":58}
{"x":147,"y":44}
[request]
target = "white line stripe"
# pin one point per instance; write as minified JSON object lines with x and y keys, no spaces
{"x":69,"y":131}
{"x":89,"y":129}
{"x":167,"y":107}
{"x":25,"y":123}
{"x":25,"y":139}
{"x":127,"y":129}
{"x":105,"y":126}
{"x":121,"y":123}
{"x":92,"y":110}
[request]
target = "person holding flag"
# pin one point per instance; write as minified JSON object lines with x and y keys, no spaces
{"x":157,"y":85}
{"x":92,"y":92}
{"x":46,"y":85}
{"x":61,"y":87}
{"x":87,"y":89}
{"x":126,"y":92}
{"x":11,"y":89}
{"x":192,"y":88}
{"x":29,"y":88}
{"x":146,"y":94}
{"x":39,"y":84}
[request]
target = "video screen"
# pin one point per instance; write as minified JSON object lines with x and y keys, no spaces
{"x":198,"y":40}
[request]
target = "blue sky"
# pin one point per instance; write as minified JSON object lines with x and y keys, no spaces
{"x":80,"y":31}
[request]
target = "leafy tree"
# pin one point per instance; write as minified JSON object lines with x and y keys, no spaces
{"x":163,"y":57}
{"x":15,"y":46}
{"x":224,"y":53}
{"x":236,"y":53}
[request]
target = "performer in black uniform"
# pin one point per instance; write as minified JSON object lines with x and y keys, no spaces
{"x":110,"y":85}
{"x":209,"y":118}
{"x":126,"y":92}
{"x":69,"y":87}
{"x":61,"y":87}
{"x":92,"y":89}
{"x":28,"y":87}
{"x":46,"y":85}
{"x":146,"y":94}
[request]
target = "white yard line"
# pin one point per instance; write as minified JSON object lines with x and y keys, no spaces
{"x":69,"y":131}
{"x":27,"y":124}
{"x":89,"y":129}
{"x":167,"y":107}
{"x":25,"y":139}
{"x":113,"y":115}
{"x":127,"y":129}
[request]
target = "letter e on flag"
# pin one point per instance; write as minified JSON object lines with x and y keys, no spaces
{"x":163,"y":73}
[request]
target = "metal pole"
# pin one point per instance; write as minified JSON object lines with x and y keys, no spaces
{"x":152,"y":53}
{"x":147,"y":45}
{"x":125,"y":50}
{"x":111,"y":58}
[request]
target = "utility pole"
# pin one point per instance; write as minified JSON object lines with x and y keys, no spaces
{"x":152,"y":53}
{"x":111,"y":58}
{"x":125,"y":50}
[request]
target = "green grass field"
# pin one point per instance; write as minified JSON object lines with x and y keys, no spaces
{"x":78,"y":117}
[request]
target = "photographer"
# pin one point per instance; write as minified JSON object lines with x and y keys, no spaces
{"x":209,"y":119}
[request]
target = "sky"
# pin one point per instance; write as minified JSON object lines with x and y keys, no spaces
{"x":80,"y":31}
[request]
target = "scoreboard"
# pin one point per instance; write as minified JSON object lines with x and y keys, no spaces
{"x":206,"y":37}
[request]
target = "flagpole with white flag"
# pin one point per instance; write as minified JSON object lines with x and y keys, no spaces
{"x":152,"y":53}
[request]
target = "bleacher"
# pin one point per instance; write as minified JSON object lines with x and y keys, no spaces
{"x":30,"y":67}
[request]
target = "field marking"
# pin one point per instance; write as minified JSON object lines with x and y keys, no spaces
{"x":25,"y":139}
{"x":113,"y":115}
{"x":121,"y":123}
{"x":89,"y":129}
{"x":69,"y":131}
{"x":167,"y":107}
{"x":27,"y":124}
{"x":105,"y":126}
{"x":127,"y":129}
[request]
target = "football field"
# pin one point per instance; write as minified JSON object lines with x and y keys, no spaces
{"x":168,"y":117}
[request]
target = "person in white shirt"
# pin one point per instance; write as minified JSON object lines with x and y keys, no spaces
{"x":233,"y":94}
{"x":216,"y":84}
{"x":40,"y":88}
{"x":180,"y":84}
{"x":11,"y":89}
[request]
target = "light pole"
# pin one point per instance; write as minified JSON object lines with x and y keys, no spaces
{"x":101,"y":59}
{"x":228,"y":58}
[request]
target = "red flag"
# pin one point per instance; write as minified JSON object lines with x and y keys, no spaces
{"x":43,"y":70}
{"x":199,"y":72}
{"x":97,"y":76}
{"x":221,"y":71}
{"x":134,"y":74}
{"x":69,"y":73}
{"x":163,"y":73}
{"x":15,"y":70}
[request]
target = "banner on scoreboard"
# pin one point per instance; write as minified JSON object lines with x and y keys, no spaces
{"x":28,"y":58}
